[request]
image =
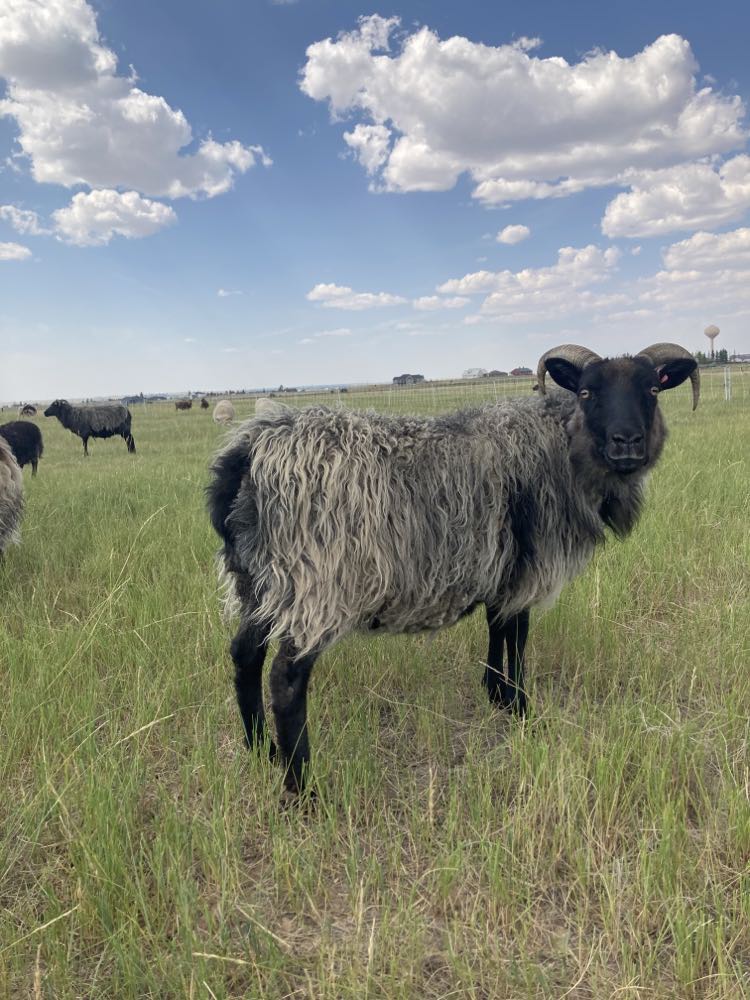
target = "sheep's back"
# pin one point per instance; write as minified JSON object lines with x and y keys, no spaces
{"x":101,"y":419}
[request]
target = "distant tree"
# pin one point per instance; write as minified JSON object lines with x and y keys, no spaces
{"x":722,"y":356}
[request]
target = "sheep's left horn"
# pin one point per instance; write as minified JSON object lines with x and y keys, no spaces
{"x":578,"y":356}
{"x":660,"y":354}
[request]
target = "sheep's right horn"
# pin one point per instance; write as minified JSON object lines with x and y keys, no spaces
{"x":578,"y":356}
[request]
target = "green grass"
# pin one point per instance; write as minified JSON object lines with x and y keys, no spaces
{"x":602,"y":849}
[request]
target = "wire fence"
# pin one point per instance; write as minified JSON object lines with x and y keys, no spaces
{"x":730,"y":385}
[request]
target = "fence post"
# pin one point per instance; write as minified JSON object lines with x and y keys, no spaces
{"x":727,"y":384}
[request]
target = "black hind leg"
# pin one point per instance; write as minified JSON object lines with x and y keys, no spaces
{"x":249,"y":652}
{"x":512,"y":633}
{"x":289,"y":679}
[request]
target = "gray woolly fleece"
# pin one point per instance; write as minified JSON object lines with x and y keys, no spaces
{"x":347,"y":520}
{"x":11,"y":496}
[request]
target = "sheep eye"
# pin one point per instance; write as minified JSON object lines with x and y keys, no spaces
{"x":584,"y":394}
{"x":655,"y":390}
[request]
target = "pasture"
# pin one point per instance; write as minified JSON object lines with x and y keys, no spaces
{"x":600,"y":849}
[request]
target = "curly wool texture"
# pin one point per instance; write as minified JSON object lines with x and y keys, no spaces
{"x":347,"y":520}
{"x":11,"y":497}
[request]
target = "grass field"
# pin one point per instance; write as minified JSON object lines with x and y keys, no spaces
{"x":599,"y":850}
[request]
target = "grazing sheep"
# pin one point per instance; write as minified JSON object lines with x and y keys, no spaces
{"x":25,"y":439}
{"x":28,"y":410}
{"x":223,"y":412}
{"x":265,"y":406}
{"x":204,"y":403}
{"x":100,"y":420}
{"x":334,"y":520}
{"x":183,"y":404}
{"x":11,"y":497}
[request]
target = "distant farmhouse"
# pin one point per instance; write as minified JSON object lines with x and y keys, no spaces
{"x":407,"y":379}
{"x":521,"y":371}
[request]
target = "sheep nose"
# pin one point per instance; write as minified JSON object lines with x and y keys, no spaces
{"x":628,"y":442}
{"x":626,"y":450}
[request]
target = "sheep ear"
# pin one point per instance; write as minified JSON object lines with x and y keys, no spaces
{"x":566,"y":375}
{"x":674,"y":373}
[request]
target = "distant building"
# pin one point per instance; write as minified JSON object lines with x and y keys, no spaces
{"x":407,"y":379}
{"x":474,"y":373}
{"x":496,"y":374}
{"x":521,"y":371}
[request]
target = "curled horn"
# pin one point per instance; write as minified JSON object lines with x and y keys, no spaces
{"x":660,"y":354}
{"x":578,"y":356}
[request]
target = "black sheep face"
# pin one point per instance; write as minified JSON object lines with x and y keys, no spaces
{"x":617,"y":399}
{"x":57,"y":408}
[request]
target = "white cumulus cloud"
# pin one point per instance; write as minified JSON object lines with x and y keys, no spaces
{"x":432,"y":302}
{"x":687,"y":197}
{"x":23,"y":220}
{"x":14,"y":251}
{"x":80,"y":122}
{"x":542,"y":292}
{"x":710,"y":252}
{"x":428,"y":109}
{"x":93,"y":218}
{"x":513,"y":234}
{"x":342,"y":297}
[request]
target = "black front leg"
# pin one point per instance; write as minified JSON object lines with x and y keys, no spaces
{"x":512,"y":633}
{"x":494,"y":673}
{"x":248,"y":652}
{"x":289,"y":678}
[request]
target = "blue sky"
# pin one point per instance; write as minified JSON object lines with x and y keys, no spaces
{"x":240,"y":194}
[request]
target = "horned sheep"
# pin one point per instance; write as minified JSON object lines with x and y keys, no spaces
{"x":98,"y":420}
{"x":183,"y":404}
{"x":334,"y":521}
{"x":11,"y":497}
{"x":25,"y":439}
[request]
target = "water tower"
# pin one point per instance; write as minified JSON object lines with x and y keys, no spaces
{"x":712,"y":332}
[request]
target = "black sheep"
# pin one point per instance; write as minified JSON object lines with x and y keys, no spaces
{"x":25,"y":439}
{"x":101,"y":420}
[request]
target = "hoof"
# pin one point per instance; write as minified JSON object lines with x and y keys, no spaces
{"x":305,"y":800}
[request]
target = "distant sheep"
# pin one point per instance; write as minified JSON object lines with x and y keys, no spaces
{"x":100,"y":420}
{"x":204,"y":403}
{"x":334,"y":521}
{"x":25,"y":439}
{"x":183,"y":404}
{"x":223,"y":412}
{"x":11,"y":497}
{"x":29,"y":410}
{"x":265,"y":407}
